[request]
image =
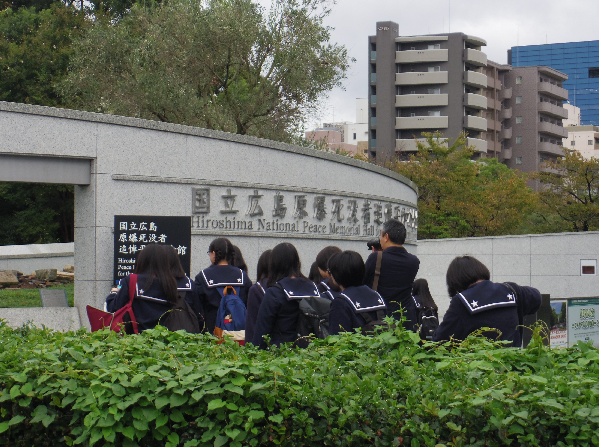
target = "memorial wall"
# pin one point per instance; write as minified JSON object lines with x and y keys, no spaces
{"x":205,"y":184}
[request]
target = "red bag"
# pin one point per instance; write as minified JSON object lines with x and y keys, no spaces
{"x":122,"y":319}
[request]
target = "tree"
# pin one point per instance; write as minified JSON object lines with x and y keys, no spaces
{"x":570,"y":190}
{"x":460,"y":197}
{"x":35,"y":48}
{"x":219,"y":64}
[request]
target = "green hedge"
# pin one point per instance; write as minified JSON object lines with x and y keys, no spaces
{"x":171,"y":388}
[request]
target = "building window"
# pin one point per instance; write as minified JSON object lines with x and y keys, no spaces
{"x":412,"y":114}
{"x":590,"y":142}
{"x":433,"y":91}
{"x":593,"y":72}
{"x":518,"y":160}
{"x":433,"y":113}
{"x":435,"y":68}
{"x":433,"y":46}
{"x":518,"y":100}
{"x":518,"y":80}
{"x":354,"y":136}
{"x":412,"y":48}
{"x":518,"y":140}
{"x":518,"y":120}
{"x":588,"y":267}
{"x":572,"y":143}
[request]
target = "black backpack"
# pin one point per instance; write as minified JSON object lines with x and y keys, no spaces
{"x":181,"y":317}
{"x":370,"y":324}
{"x":427,"y":320}
{"x":313,"y":317}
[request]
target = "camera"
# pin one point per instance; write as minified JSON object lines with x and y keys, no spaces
{"x":374,"y":244}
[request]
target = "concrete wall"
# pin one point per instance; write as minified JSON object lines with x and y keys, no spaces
{"x":141,"y":167}
{"x":549,"y":262}
{"x":27,"y":259}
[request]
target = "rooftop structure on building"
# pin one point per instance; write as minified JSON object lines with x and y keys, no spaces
{"x":578,"y":60}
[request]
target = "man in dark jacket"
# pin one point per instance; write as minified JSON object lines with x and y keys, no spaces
{"x":397,"y":272}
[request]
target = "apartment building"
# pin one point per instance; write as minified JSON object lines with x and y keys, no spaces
{"x":537,"y":117}
{"x":444,"y":83}
{"x":417,"y":84}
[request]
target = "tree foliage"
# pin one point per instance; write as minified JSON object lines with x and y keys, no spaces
{"x":570,"y":191}
{"x":219,"y":64}
{"x":460,"y":197}
{"x":35,"y":213}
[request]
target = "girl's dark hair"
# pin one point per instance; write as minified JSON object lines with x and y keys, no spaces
{"x":263,"y":265}
{"x":421,"y":290}
{"x":224,"y":250}
{"x":463,"y":272}
{"x":160,"y":262}
{"x":324,"y":255}
{"x":347,"y":268}
{"x":314,"y":274}
{"x":239,"y":259}
{"x":284,"y":262}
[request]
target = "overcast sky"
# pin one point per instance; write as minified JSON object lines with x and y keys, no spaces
{"x":501,"y":23}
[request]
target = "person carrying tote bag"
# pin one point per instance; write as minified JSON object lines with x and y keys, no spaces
{"x":123,"y":319}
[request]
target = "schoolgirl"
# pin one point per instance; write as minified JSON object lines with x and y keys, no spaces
{"x":278,"y":314}
{"x":160,"y":277}
{"x":212,"y":280}
{"x":256,"y":294}
{"x":356,"y":304}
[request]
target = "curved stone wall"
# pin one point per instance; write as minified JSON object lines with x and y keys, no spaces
{"x":256,"y":192}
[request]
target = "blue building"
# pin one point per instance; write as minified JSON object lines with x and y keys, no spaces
{"x":578,"y":60}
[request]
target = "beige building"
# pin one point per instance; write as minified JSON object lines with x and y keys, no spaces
{"x":584,"y":139}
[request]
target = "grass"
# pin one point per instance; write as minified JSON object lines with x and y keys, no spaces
{"x":30,"y":298}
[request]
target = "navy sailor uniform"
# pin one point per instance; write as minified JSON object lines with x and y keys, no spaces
{"x":149,"y":303}
{"x":209,"y":280}
{"x":348,"y":307}
{"x":279,"y":310}
{"x":488,"y":304}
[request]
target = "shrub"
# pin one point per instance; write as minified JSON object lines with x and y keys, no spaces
{"x":173,"y":388}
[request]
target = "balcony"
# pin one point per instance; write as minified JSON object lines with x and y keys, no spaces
{"x":552,"y":90}
{"x":493,"y":125}
{"x":476,"y":123}
{"x":475,"y":79}
{"x":507,"y":93}
{"x":372,"y":78}
{"x":422,"y":122}
{"x":550,"y":148}
{"x":553,"y":110}
{"x":422,"y":100}
{"x":506,"y":133}
{"x":507,"y":153}
{"x":478,"y":144}
{"x":506,"y":114}
{"x":373,"y":99}
{"x":420,"y":78}
{"x":491,"y":103}
{"x":552,"y":129}
{"x":372,"y":55}
{"x":493,"y":83}
{"x":475,"y":57}
{"x":421,"y":56}
{"x":408,"y":144}
{"x":475,"y":101}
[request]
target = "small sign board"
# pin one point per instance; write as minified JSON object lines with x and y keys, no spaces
{"x":583,"y":320}
{"x":133,"y":232}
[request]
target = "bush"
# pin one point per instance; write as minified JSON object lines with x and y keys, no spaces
{"x":173,"y":388}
